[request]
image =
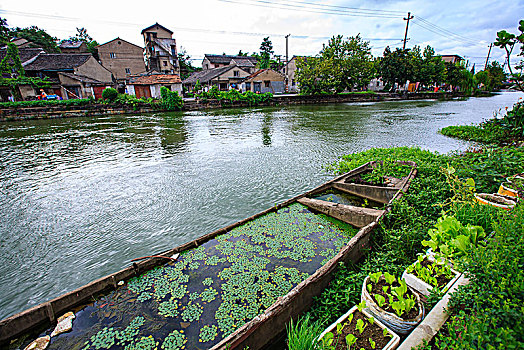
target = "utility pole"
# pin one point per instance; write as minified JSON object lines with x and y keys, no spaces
{"x":286,"y":64}
{"x":487,"y":58}
{"x":407,"y":25}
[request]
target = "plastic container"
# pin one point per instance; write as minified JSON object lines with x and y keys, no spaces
{"x":392,"y":321}
{"x":494,"y":200}
{"x":422,"y":287}
{"x":392,"y":344}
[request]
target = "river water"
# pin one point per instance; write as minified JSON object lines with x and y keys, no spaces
{"x":82,"y":197}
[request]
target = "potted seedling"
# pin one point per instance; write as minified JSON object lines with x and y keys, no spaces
{"x":392,"y":302}
{"x":357,"y":329}
{"x":428,"y":273}
{"x":450,"y":239}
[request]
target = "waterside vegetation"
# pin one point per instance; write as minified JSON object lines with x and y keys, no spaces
{"x":486,"y":317}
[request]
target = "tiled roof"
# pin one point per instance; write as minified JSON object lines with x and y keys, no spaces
{"x":58,"y":62}
{"x":68,"y":44}
{"x":25,"y":53}
{"x":207,"y":75}
{"x":81,"y":78}
{"x":260,"y":71}
{"x":156,"y":24}
{"x":153,"y":79}
{"x":226,"y":59}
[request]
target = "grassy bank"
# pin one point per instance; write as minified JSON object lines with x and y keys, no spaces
{"x":397,"y":241}
{"x":503,"y":130}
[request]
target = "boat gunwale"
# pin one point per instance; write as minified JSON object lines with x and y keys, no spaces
{"x":36,"y":316}
{"x":322,"y":276}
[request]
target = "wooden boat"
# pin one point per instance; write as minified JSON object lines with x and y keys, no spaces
{"x":268,"y":326}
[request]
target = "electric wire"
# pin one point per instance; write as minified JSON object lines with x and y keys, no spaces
{"x":269,"y":4}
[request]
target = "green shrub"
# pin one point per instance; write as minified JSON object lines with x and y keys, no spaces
{"x":228,"y":97}
{"x":488,"y":312}
{"x":109,"y":94}
{"x":44,"y":103}
{"x":171,"y":101}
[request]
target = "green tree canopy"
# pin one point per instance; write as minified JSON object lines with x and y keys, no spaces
{"x":266,"y":52}
{"x":38,"y":37}
{"x":342,"y":64}
{"x":492,"y":77}
{"x":507,"y":42}
{"x":82,"y":36}
{"x":396,"y":67}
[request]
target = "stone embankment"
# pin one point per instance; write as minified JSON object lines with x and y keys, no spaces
{"x":50,"y":112}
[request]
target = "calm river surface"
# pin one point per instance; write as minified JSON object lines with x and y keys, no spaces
{"x":82,"y":197}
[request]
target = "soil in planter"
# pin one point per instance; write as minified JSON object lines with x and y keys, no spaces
{"x":372,"y":331}
{"x":495,"y":199}
{"x":442,"y":280}
{"x":377,"y":289}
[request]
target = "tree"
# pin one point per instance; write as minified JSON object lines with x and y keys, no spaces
{"x":82,"y":36}
{"x":343,"y":64}
{"x":240,"y":53}
{"x":507,"y":42}
{"x":396,"y":67}
{"x":4,"y":31}
{"x":433,"y":69}
{"x":492,"y":77}
{"x":38,"y":37}
{"x":186,"y":67}
{"x":266,"y":51}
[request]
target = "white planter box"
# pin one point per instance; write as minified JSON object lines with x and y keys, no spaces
{"x":422,"y":287}
{"x":391,"y":320}
{"x":393,"y":342}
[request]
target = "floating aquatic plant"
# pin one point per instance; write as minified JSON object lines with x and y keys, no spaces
{"x":192,"y":312}
{"x":208,"y":333}
{"x":249,"y":267}
{"x":174,"y":341}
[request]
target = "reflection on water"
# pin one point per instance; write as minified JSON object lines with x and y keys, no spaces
{"x":79,"y":198}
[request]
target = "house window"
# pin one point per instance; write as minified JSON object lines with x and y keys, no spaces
{"x":236,"y":73}
{"x":267,"y":83}
{"x":248,"y":86}
{"x":173,"y":51}
{"x":128,"y":70}
{"x":165,"y":63}
{"x":284,"y":70}
{"x":293,"y":82}
{"x":112,"y":55}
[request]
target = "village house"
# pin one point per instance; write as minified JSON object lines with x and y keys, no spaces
{"x":451,"y":58}
{"x":289,"y":71}
{"x":73,"y":75}
{"x":68,"y":46}
{"x":27,"y":55}
{"x":160,"y":50}
{"x":225,"y":78}
{"x":148,"y":85}
{"x":123,"y":59}
{"x":264,"y":80}
{"x":216,"y":61}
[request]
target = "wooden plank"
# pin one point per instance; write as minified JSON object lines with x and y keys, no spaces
{"x":356,"y":216}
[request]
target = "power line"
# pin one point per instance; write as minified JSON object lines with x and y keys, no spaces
{"x":445,"y":35}
{"x":269,"y":4}
{"x":445,"y":30}
{"x":196,"y":30}
{"x":336,"y":7}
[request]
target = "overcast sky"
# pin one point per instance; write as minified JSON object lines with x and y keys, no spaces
{"x":464,"y":27}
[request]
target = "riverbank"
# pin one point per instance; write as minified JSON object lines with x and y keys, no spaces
{"x":98,"y":109}
{"x":486,"y":313}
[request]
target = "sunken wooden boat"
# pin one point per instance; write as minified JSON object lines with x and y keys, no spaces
{"x":267,"y":327}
